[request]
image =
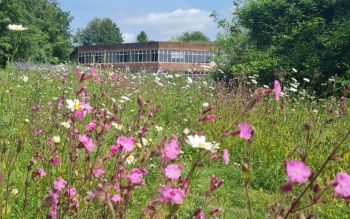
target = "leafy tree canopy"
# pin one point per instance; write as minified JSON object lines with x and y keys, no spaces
{"x":274,"y":36}
{"x":99,"y":31}
{"x":142,"y":37}
{"x":192,"y":37}
{"x":47,"y":38}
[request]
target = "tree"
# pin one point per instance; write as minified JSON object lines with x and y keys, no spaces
{"x":192,"y":37}
{"x":142,"y":37}
{"x":47,"y":38}
{"x":312,"y":36}
{"x":99,"y":31}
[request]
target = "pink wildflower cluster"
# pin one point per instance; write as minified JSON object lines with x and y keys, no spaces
{"x":342,"y":187}
{"x":136,"y":175}
{"x":59,"y":185}
{"x":87,"y":142}
{"x":173,"y":195}
{"x":127,"y":143}
{"x":245,"y":131}
{"x":173,"y":171}
{"x":298,"y":172}
{"x":172,"y":150}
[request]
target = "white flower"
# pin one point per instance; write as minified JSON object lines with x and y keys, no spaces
{"x":294,"y":80}
{"x":144,"y":141}
{"x":293,"y":89}
{"x":65,"y":124}
{"x":306,"y":80}
{"x":189,"y":80}
{"x":315,"y":111}
{"x":294,"y":85}
{"x":24,"y":78}
{"x":212,"y":64}
{"x":158,"y":128}
{"x":125,"y":98}
{"x":265,"y":86}
{"x":74,"y":105}
{"x":14,"y":191}
{"x":56,"y":139}
{"x":130,"y":159}
{"x":186,"y":131}
{"x":294,"y":70}
{"x":15,"y":27}
{"x":205,"y":104}
{"x":254,"y":81}
{"x":197,"y":141}
{"x":117,"y":126}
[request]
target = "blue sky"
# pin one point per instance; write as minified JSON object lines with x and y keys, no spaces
{"x":161,"y":19}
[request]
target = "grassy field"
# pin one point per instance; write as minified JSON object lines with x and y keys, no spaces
{"x":33,"y":106}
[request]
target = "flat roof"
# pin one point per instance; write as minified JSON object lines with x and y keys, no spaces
{"x":149,"y":45}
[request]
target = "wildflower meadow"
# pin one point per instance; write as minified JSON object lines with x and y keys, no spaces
{"x":96,"y":143}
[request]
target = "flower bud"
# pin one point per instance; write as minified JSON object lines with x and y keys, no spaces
{"x":308,"y":126}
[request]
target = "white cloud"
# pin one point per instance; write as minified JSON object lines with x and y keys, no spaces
{"x":129,"y":37}
{"x":169,"y":24}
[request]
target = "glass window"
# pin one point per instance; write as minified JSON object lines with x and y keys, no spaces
{"x":156,"y":55}
{"x":148,"y":56}
{"x":168,"y":56}
{"x":144,"y":56}
{"x":125,"y":56}
{"x":140,"y":56}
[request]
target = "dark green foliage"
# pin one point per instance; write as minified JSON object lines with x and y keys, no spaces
{"x":99,"y":31}
{"x":47,"y":38}
{"x":192,"y":37}
{"x":275,"y":36}
{"x":142,"y":37}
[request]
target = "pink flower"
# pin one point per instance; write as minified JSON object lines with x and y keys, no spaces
{"x":277,"y":89}
{"x":56,"y":161}
{"x":165,"y":195}
{"x":116,"y":198}
{"x":178,"y":196}
{"x":95,"y":75}
{"x":53,"y":214}
{"x":72,"y":192}
{"x":87,"y":142}
{"x":128,"y":143}
{"x":211,"y":118}
{"x":114,"y":149}
{"x":80,"y":114}
{"x":173,"y":171}
{"x":226,"y":156}
{"x":298,"y":172}
{"x":172,"y":150}
{"x":200,"y":214}
{"x":98,"y":172}
{"x":342,"y":188}
{"x":136,"y":175}
{"x":175,"y":195}
{"x":245,"y":131}
{"x":60,"y":184}
{"x":54,"y":198}
{"x":91,"y":126}
{"x":41,"y":172}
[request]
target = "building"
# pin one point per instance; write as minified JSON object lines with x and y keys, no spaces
{"x":151,"y":56}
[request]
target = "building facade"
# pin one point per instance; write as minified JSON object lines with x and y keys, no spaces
{"x":151,"y":57}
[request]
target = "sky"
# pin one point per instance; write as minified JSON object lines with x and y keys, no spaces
{"x":160,"y":19}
